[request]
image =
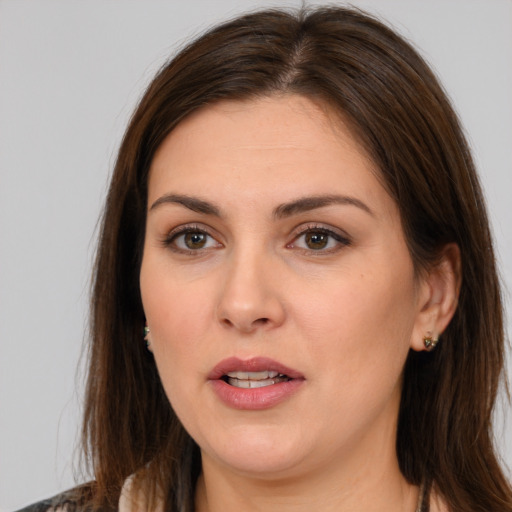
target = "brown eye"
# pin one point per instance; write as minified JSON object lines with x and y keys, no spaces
{"x":194,"y":240}
{"x":321,"y":240}
{"x":315,"y":240}
{"x":188,"y":240}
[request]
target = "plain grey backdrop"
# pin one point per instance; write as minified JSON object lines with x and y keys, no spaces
{"x":70,"y":75}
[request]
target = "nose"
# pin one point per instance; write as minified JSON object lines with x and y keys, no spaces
{"x":251,"y":295}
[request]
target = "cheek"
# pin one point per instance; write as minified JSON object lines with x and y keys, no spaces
{"x":359,"y":303}
{"x":363,"y":331}
{"x":176,"y":316}
{"x":174,"y":313}
{"x":173,"y":299}
{"x":359,"y":339}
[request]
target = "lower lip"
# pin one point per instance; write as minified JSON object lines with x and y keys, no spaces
{"x":257,"y":398}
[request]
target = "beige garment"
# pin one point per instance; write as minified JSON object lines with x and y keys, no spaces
{"x":132,"y":500}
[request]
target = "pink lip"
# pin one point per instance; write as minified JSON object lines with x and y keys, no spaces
{"x":255,"y":398}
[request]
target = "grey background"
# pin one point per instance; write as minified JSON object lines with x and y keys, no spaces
{"x":70,"y":74}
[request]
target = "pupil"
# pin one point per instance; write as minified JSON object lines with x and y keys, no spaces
{"x":316,"y":240}
{"x":195,"y":240}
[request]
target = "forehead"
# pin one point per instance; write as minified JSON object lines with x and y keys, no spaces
{"x":286,"y":144}
{"x":270,"y":120}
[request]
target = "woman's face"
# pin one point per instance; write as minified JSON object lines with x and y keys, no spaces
{"x":273,"y":254}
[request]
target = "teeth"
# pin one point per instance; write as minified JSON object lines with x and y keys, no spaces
{"x":267,"y":374}
{"x":248,"y":380}
{"x":249,"y":384}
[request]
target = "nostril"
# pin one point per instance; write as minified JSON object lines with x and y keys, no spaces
{"x":246,"y":326}
{"x":227,"y":322}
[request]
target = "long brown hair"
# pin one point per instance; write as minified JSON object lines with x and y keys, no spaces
{"x":399,"y":112}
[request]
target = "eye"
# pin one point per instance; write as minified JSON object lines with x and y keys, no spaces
{"x":316,"y":240}
{"x":319,"y":239}
{"x":190,"y":239}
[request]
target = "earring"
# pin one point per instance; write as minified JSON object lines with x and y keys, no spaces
{"x":430,"y":342}
{"x":146,"y":337}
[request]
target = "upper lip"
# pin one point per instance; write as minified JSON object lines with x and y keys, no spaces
{"x":255,"y":364}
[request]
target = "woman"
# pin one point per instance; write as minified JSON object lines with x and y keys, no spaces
{"x":296,"y":229}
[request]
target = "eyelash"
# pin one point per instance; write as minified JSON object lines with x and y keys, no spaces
{"x":170,"y":240}
{"x":341,"y":240}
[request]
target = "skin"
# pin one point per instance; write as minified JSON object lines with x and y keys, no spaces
{"x":345,"y":314}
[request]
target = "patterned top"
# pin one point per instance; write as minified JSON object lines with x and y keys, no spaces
{"x":130,"y":503}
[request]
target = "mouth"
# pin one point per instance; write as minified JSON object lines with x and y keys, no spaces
{"x":250,"y":380}
{"x":254,"y":384}
{"x":256,"y":372}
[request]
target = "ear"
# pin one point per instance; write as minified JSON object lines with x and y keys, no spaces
{"x":438,"y":296}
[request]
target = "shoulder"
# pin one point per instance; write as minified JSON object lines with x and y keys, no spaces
{"x":72,"y":500}
{"x":132,"y":499}
{"x":61,"y":502}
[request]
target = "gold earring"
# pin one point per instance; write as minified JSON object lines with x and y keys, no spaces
{"x":430,"y":342}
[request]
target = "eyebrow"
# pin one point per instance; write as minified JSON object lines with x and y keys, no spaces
{"x":192,"y":203}
{"x":306,"y":204}
{"x":301,"y":205}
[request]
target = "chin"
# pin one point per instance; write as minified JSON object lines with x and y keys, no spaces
{"x":260,"y":454}
{"x":265,"y":467}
